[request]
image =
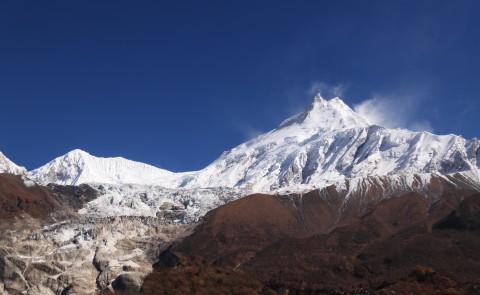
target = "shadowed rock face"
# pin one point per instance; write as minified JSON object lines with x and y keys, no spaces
{"x":21,"y":198}
{"x":324,"y":243}
{"x":465,"y":217}
{"x":17,"y":199}
{"x":195,"y":275}
{"x":73,"y":196}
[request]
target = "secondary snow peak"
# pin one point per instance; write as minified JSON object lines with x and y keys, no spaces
{"x":77,"y":152}
{"x":78,"y":166}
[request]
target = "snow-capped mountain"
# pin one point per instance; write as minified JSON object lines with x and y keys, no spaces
{"x":327,"y":144}
{"x":129,"y":210}
{"x":7,"y":166}
{"x":330,"y":143}
{"x":78,"y":167}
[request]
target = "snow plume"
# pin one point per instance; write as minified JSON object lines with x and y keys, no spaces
{"x":392,"y":112}
{"x":249,"y":131}
{"x":326,"y":90}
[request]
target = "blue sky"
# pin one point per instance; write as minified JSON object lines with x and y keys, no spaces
{"x":175,"y":83}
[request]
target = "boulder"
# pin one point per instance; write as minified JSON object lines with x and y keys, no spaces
{"x":127,"y":283}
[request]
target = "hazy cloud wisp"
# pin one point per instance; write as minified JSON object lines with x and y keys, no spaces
{"x":393,"y":112}
{"x":326,"y":90}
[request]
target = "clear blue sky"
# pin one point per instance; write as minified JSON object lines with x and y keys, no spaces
{"x":175,"y":83}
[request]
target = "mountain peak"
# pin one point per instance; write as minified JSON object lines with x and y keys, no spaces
{"x":323,"y":114}
{"x":77,"y":152}
{"x":78,"y":166}
{"x":334,"y":103}
{"x":318,"y":98}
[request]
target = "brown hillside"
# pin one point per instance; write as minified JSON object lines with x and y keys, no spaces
{"x":319,"y":243}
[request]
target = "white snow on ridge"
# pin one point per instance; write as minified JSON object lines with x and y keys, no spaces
{"x":7,"y":166}
{"x":306,"y":151}
{"x":327,"y":144}
{"x":78,"y":167}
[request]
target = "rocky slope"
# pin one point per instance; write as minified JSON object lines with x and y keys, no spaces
{"x":80,"y":255}
{"x":46,"y":247}
{"x":17,"y":199}
{"x":322,"y":243}
{"x":22,"y":198}
{"x":369,"y":240}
